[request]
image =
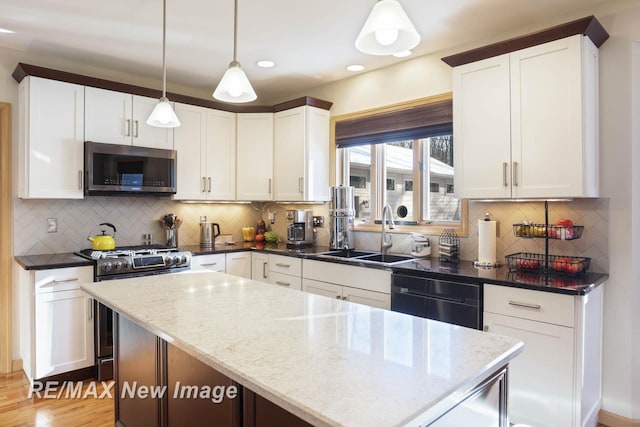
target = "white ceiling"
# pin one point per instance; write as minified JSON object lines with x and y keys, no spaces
{"x":311,"y":41}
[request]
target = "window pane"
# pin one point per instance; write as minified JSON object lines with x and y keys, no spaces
{"x":399,"y":170}
{"x":440,"y":203}
{"x":360,"y":179}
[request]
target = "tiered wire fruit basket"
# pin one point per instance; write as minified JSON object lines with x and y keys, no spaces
{"x":546,"y":263}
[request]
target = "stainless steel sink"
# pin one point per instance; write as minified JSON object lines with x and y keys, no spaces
{"x":386,"y":258}
{"x":369,"y":257}
{"x":348,"y":253}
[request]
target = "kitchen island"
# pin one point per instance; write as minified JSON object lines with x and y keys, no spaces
{"x":325,"y":362}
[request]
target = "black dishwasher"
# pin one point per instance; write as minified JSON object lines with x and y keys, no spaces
{"x":448,"y":301}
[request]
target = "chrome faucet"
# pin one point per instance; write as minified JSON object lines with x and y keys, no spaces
{"x":385,"y":243}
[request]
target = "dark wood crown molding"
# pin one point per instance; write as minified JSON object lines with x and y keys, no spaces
{"x":22,"y":70}
{"x":588,"y":26}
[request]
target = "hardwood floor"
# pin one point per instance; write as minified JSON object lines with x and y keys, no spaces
{"x":17,"y":409}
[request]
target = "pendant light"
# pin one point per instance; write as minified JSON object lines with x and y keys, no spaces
{"x":388,"y":30}
{"x":234,"y":85}
{"x":163,"y":115}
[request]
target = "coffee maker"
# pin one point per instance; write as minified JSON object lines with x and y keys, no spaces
{"x":300,"y":232}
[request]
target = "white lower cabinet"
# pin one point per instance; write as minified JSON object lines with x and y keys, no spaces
{"x":214,"y":262}
{"x":363,"y":285}
{"x":260,"y":267}
{"x":56,"y":321}
{"x":285,"y":280}
{"x":556,"y":380}
{"x":239,"y":264}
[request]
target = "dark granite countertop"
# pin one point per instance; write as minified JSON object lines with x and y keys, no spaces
{"x":50,"y":261}
{"x":430,"y":268}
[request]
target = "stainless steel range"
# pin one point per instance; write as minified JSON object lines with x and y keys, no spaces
{"x":121,"y":263}
{"x":137,"y":261}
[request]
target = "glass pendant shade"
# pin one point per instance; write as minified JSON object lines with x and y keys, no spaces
{"x":234,"y":86}
{"x":388,"y":30}
{"x":163,"y":115}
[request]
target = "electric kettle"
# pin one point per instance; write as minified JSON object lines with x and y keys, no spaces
{"x":207,"y":233}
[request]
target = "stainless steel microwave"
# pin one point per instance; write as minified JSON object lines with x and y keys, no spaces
{"x":113,"y":169}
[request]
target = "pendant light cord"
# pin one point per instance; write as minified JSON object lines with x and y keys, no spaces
{"x":235,"y":31}
{"x":164,"y":48}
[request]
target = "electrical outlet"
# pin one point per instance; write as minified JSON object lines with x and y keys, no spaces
{"x":52,"y":225}
{"x":318,"y":221}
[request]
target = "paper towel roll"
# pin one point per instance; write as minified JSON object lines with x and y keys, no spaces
{"x":486,"y":242}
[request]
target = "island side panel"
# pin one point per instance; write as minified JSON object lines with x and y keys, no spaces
{"x":136,"y":360}
{"x":187,"y":375}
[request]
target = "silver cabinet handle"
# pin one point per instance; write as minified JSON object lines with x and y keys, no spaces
{"x":504,"y":174}
{"x":283,"y":265}
{"x":209,"y":189}
{"x":128,"y":128}
{"x":208,"y":264}
{"x":515,"y":174}
{"x":135,"y":128}
{"x":264,"y":270}
{"x":90,"y":307}
{"x":269,"y":185}
{"x":300,"y":185}
{"x":204,"y":184}
{"x":525,"y":304}
{"x":79,"y":180}
{"x":71,"y":279}
{"x":282,"y":283}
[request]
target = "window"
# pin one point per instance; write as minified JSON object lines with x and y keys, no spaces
{"x":402,"y":157}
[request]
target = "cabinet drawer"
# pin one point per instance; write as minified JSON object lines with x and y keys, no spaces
{"x":371,"y":279}
{"x":285,"y":280}
{"x":285,"y":264}
{"x":527,"y":304}
{"x":62,"y":279}
{"x":208,"y":262}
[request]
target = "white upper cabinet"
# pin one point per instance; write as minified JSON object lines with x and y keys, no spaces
{"x":301,"y":154}
{"x":254,"y":140}
{"x":51,"y":135}
{"x":526,"y":123}
{"x":120,"y":118}
{"x":206,"y":146}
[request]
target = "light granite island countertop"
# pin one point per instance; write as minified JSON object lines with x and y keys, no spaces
{"x":329,"y":362}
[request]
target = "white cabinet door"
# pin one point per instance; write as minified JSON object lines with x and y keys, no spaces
{"x":216,"y":262}
{"x":221,"y":155}
{"x":51,"y":123}
{"x":254,"y":160}
{"x":301,"y":154}
{"x":113,"y":117}
{"x":239,"y":264}
{"x":143,"y":134}
{"x":322,"y":288}
{"x":108,"y":116}
{"x":260,"y":267}
{"x":547,"y":123}
{"x":541,"y":378}
{"x":189,"y":139}
{"x":63,"y":332}
{"x":289,"y":145}
{"x":481,"y":128}
{"x":370,"y":298}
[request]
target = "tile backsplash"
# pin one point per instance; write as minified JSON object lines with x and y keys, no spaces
{"x":135,"y":216}
{"x":593,"y":214}
{"x":132,"y":217}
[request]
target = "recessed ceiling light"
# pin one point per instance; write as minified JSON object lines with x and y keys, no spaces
{"x":6,"y":31}
{"x":355,"y":67}
{"x":402,"y":54}
{"x":265,"y":64}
